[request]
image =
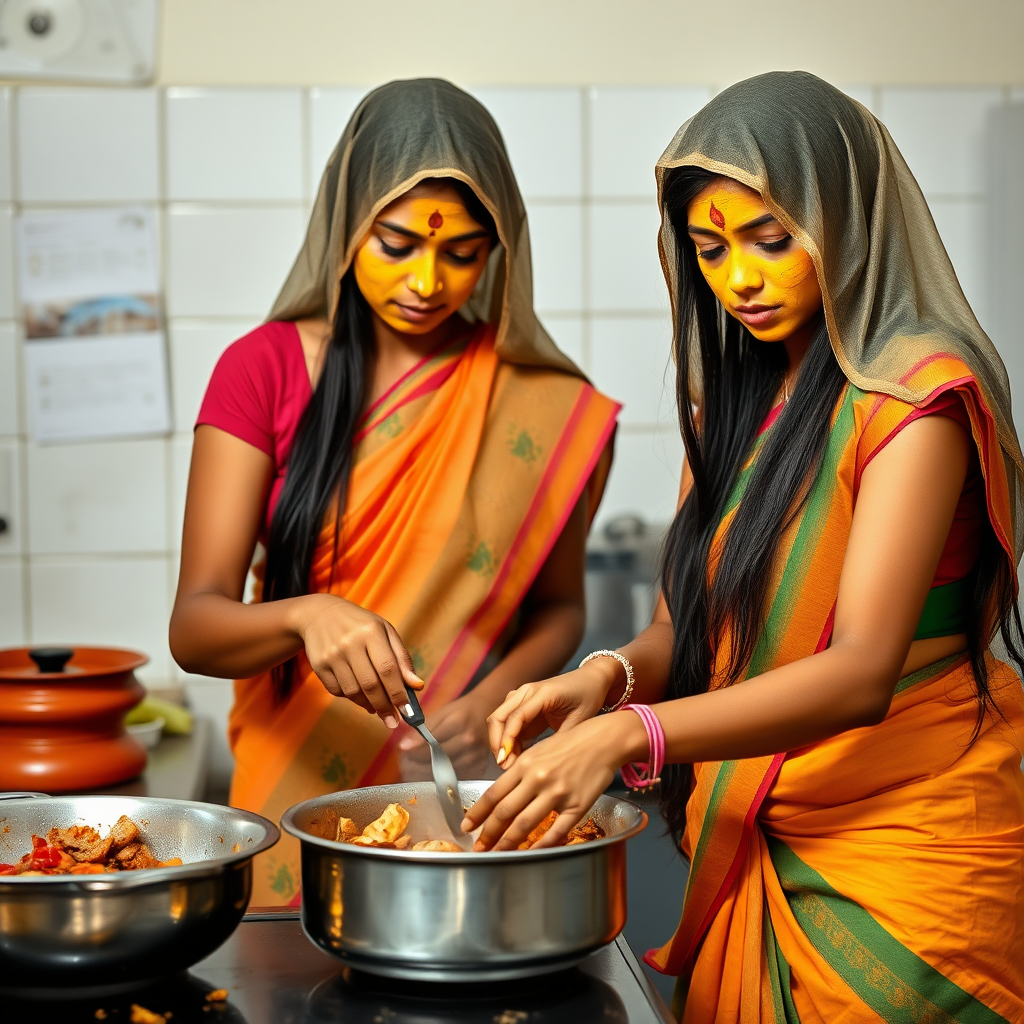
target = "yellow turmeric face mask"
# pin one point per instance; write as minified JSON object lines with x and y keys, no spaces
{"x":754,"y":266}
{"x":421,"y":259}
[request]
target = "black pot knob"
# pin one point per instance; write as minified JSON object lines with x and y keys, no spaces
{"x":51,"y":659}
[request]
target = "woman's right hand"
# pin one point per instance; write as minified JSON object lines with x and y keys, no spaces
{"x":560,"y":703}
{"x":356,"y":654}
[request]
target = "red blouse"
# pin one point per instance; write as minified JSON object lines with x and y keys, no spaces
{"x":258,"y":392}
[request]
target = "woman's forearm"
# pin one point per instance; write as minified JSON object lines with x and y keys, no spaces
{"x":801,"y":703}
{"x":650,"y":655}
{"x":212,"y":634}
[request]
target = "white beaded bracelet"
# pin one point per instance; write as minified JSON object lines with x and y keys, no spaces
{"x":624,"y":662}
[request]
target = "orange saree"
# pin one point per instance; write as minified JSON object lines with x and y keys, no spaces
{"x":463,"y":478}
{"x":878,"y":875}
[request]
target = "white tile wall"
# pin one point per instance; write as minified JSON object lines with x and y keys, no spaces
{"x":625,"y":272}
{"x":556,"y":232}
{"x":94,"y":537}
{"x":12,"y":616}
{"x":645,"y":475}
{"x":543,"y":132}
{"x":120,"y":602}
{"x":103,"y":497}
{"x":940,"y":133}
{"x":629,"y":130}
{"x":329,"y":111}
{"x":6,"y":182}
{"x":181,"y":456}
{"x":569,"y":334}
{"x":88,"y":145}
{"x":961,"y":225}
{"x":234,"y":144}
{"x":9,"y":398}
{"x":195,"y":346}
{"x":630,"y":359}
{"x":12,"y":459}
{"x":6,"y":262}
{"x":227,"y":261}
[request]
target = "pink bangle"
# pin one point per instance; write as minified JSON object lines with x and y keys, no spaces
{"x":641,"y":775}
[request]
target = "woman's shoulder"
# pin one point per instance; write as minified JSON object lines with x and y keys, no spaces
{"x":271,"y":351}
{"x":259,"y":381}
{"x":879,"y":417}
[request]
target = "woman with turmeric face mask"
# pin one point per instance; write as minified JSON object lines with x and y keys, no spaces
{"x":841,"y":749}
{"x":415,"y":463}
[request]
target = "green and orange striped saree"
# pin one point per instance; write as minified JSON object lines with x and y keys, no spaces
{"x":464,"y":476}
{"x":879,"y":875}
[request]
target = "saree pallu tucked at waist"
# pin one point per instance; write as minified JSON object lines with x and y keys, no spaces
{"x":877,"y":876}
{"x":883,"y":874}
{"x":464,"y":476}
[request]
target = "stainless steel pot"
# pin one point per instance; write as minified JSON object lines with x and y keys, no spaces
{"x":457,"y":916}
{"x":88,"y":931}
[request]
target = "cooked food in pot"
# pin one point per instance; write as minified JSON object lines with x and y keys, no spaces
{"x":79,"y":850}
{"x":388,"y":833}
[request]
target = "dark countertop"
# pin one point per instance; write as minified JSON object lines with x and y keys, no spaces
{"x":274,"y":975}
{"x":178,"y":767}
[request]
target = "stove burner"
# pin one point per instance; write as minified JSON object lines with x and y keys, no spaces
{"x":360,"y":998}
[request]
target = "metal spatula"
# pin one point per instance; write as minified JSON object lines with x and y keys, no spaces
{"x":445,"y":780}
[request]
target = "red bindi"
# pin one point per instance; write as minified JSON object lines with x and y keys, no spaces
{"x":435,"y":221}
{"x":716,"y":215}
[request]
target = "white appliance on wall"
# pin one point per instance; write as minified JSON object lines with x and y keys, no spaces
{"x":79,"y":40}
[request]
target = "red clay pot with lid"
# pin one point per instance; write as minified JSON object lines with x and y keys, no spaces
{"x":62,"y":717}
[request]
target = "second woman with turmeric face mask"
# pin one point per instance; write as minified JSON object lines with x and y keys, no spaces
{"x":416,"y":457}
{"x":836,"y":748}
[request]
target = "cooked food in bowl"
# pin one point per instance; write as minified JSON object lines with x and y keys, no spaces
{"x":388,"y":833}
{"x":124,"y":926}
{"x":449,"y":917}
{"x":80,"y":850}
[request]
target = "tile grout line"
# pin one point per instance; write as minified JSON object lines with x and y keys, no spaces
{"x":586,"y":132}
{"x":27,"y":623}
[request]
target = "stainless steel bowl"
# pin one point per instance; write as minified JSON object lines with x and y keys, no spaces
{"x":457,"y":916}
{"x":110,"y":930}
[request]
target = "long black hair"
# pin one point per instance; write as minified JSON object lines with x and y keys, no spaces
{"x":320,"y":459}
{"x":738,"y":379}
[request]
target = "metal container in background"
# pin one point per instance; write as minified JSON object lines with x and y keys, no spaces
{"x":621,"y":582}
{"x":457,"y":916}
{"x":114,"y":931}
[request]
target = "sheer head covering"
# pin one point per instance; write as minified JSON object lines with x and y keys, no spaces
{"x":828,"y":170}
{"x":400,"y":134}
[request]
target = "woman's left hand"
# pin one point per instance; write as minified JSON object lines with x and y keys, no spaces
{"x":566,"y":773}
{"x":461,"y":728}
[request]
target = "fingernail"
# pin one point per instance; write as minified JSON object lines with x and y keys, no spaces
{"x":467,"y":825}
{"x":390,"y":721}
{"x":405,"y":745}
{"x":502,"y":754}
{"x":478,"y":847}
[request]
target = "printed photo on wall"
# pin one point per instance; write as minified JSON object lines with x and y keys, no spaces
{"x":95,"y":353}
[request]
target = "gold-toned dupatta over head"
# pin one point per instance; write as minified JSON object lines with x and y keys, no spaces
{"x":400,"y":134}
{"x":829,"y":171}
{"x":877,"y":875}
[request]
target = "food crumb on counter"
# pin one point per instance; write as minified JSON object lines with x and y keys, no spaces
{"x":511,"y":1017}
{"x":140,"y":1015}
{"x":218,"y":995}
{"x":100,"y":1014}
{"x":237,"y":848}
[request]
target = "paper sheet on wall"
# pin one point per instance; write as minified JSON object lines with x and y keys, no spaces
{"x":95,"y":356}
